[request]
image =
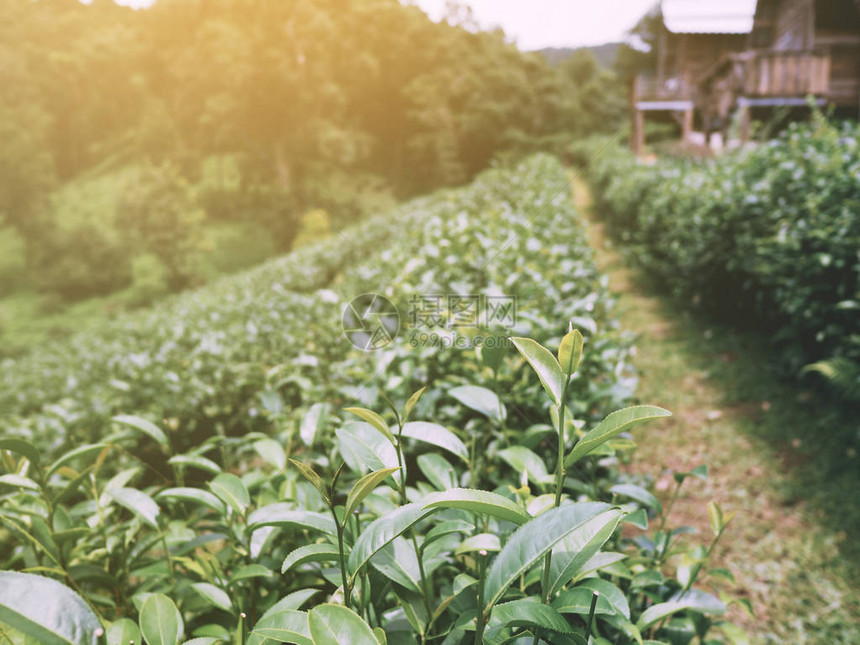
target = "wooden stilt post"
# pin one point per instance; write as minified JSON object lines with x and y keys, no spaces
{"x":746,"y":118}
{"x":687,"y":127}
{"x":638,"y":139}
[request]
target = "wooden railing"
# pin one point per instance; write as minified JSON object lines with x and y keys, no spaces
{"x":650,"y":88}
{"x":780,"y":73}
{"x":770,"y":73}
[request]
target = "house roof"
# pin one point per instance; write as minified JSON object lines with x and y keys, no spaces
{"x":709,"y":16}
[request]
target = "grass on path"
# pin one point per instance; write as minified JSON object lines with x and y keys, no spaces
{"x":793,"y":545}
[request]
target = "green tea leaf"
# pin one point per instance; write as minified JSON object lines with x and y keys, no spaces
{"x":81,"y":451}
{"x":448,"y":527}
{"x":522,"y":459}
{"x":364,"y":448}
{"x":493,"y":350}
{"x":311,"y":475}
{"x":363,"y":487}
{"x":324,"y":552}
{"x":545,"y":366}
{"x":397,"y":561}
{"x":478,"y":501}
{"x":196,"y":461}
{"x":230,"y":490}
{"x":22,"y":448}
{"x":570,"y":352}
{"x":46,"y":610}
{"x":250,"y":571}
{"x":577,"y":548}
{"x":438,"y":471}
{"x":639,"y":494}
{"x":437,"y":435}
{"x":410,"y":404}
{"x":292,"y":600}
{"x":194,"y":496}
{"x":284,"y":626}
{"x":480,"y":399}
{"x":614,"y":424}
{"x":335,"y":625}
{"x":19,"y":481}
{"x":160,"y":621}
{"x":138,"y":503}
{"x":146,"y":427}
{"x":215,"y":595}
{"x":284,"y":515}
{"x":373,"y":419}
{"x":314,"y":420}
{"x":527,"y":546}
{"x":272,"y":452}
{"x":123,"y":632}
{"x":693,"y":599}
{"x":382,"y":531}
{"x":609,"y":592}
{"x":531,"y":612}
{"x":715,"y":514}
{"x":481,"y":542}
{"x":578,"y":601}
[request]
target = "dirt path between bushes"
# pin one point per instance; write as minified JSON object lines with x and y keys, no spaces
{"x":783,"y":560}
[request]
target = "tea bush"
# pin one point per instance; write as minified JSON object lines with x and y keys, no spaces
{"x":769,"y":234}
{"x":210,"y":468}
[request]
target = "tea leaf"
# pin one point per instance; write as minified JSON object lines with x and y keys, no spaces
{"x":480,"y":399}
{"x":160,"y":621}
{"x":570,"y":352}
{"x":231,"y":491}
{"x":284,"y":626}
{"x":310,"y":553}
{"x":437,"y":435}
{"x":138,"y":503}
{"x":285,"y":515}
{"x":411,"y":403}
{"x":363,"y":487}
{"x":575,"y":550}
{"x":335,"y":625}
{"x":692,"y":599}
{"x":311,"y":475}
{"x":639,"y":494}
{"x":382,"y":531}
{"x":146,"y":427}
{"x":545,"y":366}
{"x":46,"y":611}
{"x":272,"y":452}
{"x":373,"y":419}
{"x":22,"y":448}
{"x":527,"y":546}
{"x":218,"y":597}
{"x":478,"y":501}
{"x":531,"y":612}
{"x":194,"y":496}
{"x":123,"y":632}
{"x":614,"y":424}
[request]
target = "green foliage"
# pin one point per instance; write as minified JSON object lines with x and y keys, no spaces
{"x":159,"y":214}
{"x":217,"y":496}
{"x":767,"y":236}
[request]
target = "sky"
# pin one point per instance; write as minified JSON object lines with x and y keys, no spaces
{"x":535,"y":24}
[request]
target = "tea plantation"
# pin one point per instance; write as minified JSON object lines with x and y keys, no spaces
{"x":227,"y":467}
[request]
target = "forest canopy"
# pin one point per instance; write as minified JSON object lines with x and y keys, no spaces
{"x":264,"y":109}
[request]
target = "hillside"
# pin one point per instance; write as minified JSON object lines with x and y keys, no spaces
{"x":604,"y":54}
